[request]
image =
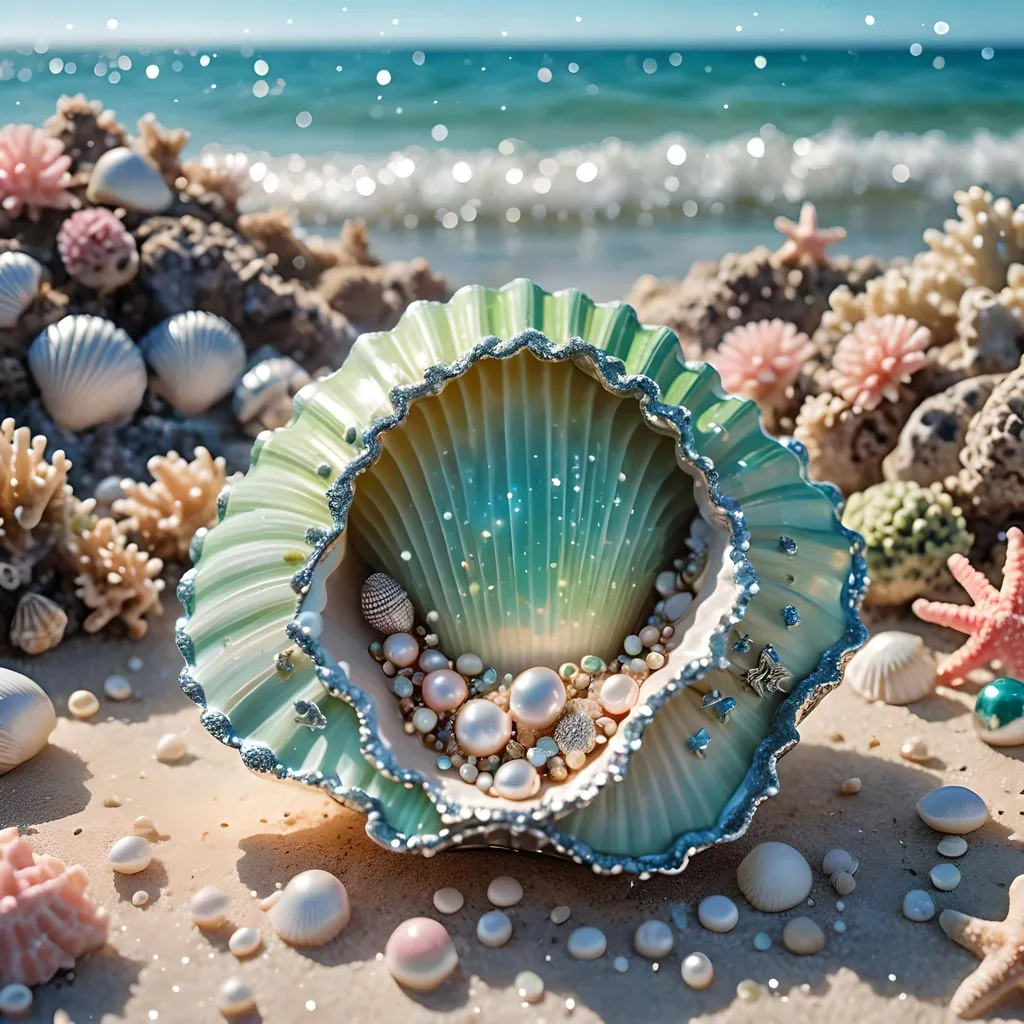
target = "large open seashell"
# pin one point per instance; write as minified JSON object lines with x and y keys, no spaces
{"x":524,"y":465}
{"x":197,"y":358}
{"x":89,"y":372}
{"x":19,"y":283}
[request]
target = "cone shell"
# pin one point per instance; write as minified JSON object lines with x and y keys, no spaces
{"x":386,"y":605}
{"x":774,"y":877}
{"x":89,"y":372}
{"x":26,"y":719}
{"x":123,"y":178}
{"x":311,"y":910}
{"x":38,"y":624}
{"x":895,"y":668}
{"x":197,"y":358}
{"x":19,"y":284}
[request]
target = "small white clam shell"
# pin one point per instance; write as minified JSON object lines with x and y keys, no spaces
{"x":19,"y":283}
{"x":130,"y":855}
{"x":197,"y":358}
{"x":26,"y":719}
{"x":89,"y":372}
{"x":774,"y":877}
{"x":312,"y":909}
{"x":893,"y":667}
{"x":38,"y":624}
{"x":955,"y":810}
{"x":122,"y":177}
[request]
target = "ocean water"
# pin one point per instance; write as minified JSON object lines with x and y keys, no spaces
{"x":583,"y":167}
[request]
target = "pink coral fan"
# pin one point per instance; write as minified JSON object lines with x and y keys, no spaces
{"x":880,"y":354}
{"x":97,"y":249}
{"x":761,"y":360}
{"x":46,"y":919}
{"x":33,"y":171}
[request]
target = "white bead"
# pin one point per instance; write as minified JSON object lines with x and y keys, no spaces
{"x":718,"y":913}
{"x":83,"y":704}
{"x":618,"y":693}
{"x":170,"y":748}
{"x":245,"y":941}
{"x":209,"y":908}
{"x":401,"y":649}
{"x":469,"y":664}
{"x":504,"y":891}
{"x":235,"y":997}
{"x":587,"y":943}
{"x":424,"y":720}
{"x":537,"y":697}
{"x":653,"y":939}
{"x":698,"y":971}
{"x":444,"y":690}
{"x":494,"y":928}
{"x":433,"y":661}
{"x":517,"y":780}
{"x":130,"y":855}
{"x":482,"y":728}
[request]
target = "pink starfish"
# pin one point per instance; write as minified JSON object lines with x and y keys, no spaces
{"x":806,"y":238}
{"x":996,"y":622}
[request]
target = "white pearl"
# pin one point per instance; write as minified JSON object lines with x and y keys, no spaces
{"x":170,"y":748}
{"x":433,"y":661}
{"x":234,"y":998}
{"x":482,"y":728}
{"x":618,"y":693}
{"x":424,"y":720}
{"x":494,"y":928}
{"x":587,"y":943}
{"x":130,"y":855}
{"x":698,"y":971}
{"x":401,"y":649}
{"x":654,"y":940}
{"x":537,"y":697}
{"x":209,"y":908}
{"x":517,"y":780}
{"x":717,"y":913}
{"x":469,"y":664}
{"x":444,"y":690}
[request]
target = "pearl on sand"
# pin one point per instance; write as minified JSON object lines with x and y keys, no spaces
{"x":448,"y":901}
{"x":209,"y":908}
{"x":494,"y":928}
{"x":401,"y":649}
{"x":504,"y":891}
{"x":482,"y":728}
{"x":718,"y":913}
{"x":117,"y":688}
{"x":245,"y":941}
{"x":587,"y":943}
{"x":698,"y":971}
{"x":536,"y":697}
{"x":83,"y":704}
{"x":170,"y":748}
{"x":235,"y":997}
{"x":420,"y":954}
{"x":130,"y":855}
{"x":618,"y":693}
{"x":653,"y":939}
{"x":444,"y":690}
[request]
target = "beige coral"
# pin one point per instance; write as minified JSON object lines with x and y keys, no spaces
{"x":47,"y":920}
{"x":32,"y":490}
{"x":165,"y":515}
{"x":114,"y":578}
{"x":977,"y":250}
{"x":846,"y":447}
{"x":162,"y":147}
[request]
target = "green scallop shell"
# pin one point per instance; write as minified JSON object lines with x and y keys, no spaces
{"x":659,"y":801}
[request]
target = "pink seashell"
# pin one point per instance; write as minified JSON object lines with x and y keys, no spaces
{"x":97,"y":249}
{"x":760,"y":360}
{"x":880,"y":354}
{"x":46,"y":919}
{"x":33,"y":170}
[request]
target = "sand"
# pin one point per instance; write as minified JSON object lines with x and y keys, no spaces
{"x":220,"y":825}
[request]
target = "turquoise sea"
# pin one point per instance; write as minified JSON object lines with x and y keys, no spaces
{"x":583,"y":166}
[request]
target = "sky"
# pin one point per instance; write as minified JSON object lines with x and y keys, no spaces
{"x":855,"y":23}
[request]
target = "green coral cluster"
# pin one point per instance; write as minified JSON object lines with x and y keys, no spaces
{"x":910,"y":531}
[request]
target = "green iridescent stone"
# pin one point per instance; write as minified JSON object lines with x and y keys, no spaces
{"x":999,"y":713}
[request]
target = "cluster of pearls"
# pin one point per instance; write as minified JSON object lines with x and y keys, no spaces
{"x":504,"y":734}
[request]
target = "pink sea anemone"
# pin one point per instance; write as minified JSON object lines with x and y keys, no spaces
{"x":46,"y":919}
{"x":880,"y":354}
{"x":97,"y":249}
{"x":761,"y":360}
{"x":33,"y":171}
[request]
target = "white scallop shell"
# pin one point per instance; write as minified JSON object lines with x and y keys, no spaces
{"x":38,"y":624}
{"x":19,"y":285}
{"x":197,"y":358}
{"x":26,"y":719}
{"x":123,"y":178}
{"x":312,"y":909}
{"x":89,"y":372}
{"x":893,"y":667}
{"x":774,"y":877}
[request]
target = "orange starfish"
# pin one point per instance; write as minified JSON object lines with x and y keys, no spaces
{"x":805,"y":238}
{"x":996,"y":622}
{"x":1000,"y":944}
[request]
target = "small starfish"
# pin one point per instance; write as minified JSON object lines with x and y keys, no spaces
{"x":805,"y":238}
{"x":996,"y":622}
{"x":1000,"y":944}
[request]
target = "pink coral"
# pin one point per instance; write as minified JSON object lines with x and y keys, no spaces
{"x":880,"y":354}
{"x":33,"y":170}
{"x":46,"y":919}
{"x":97,"y":249}
{"x":761,"y":360}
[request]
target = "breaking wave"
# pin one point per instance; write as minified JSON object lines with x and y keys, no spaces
{"x":674,"y":176}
